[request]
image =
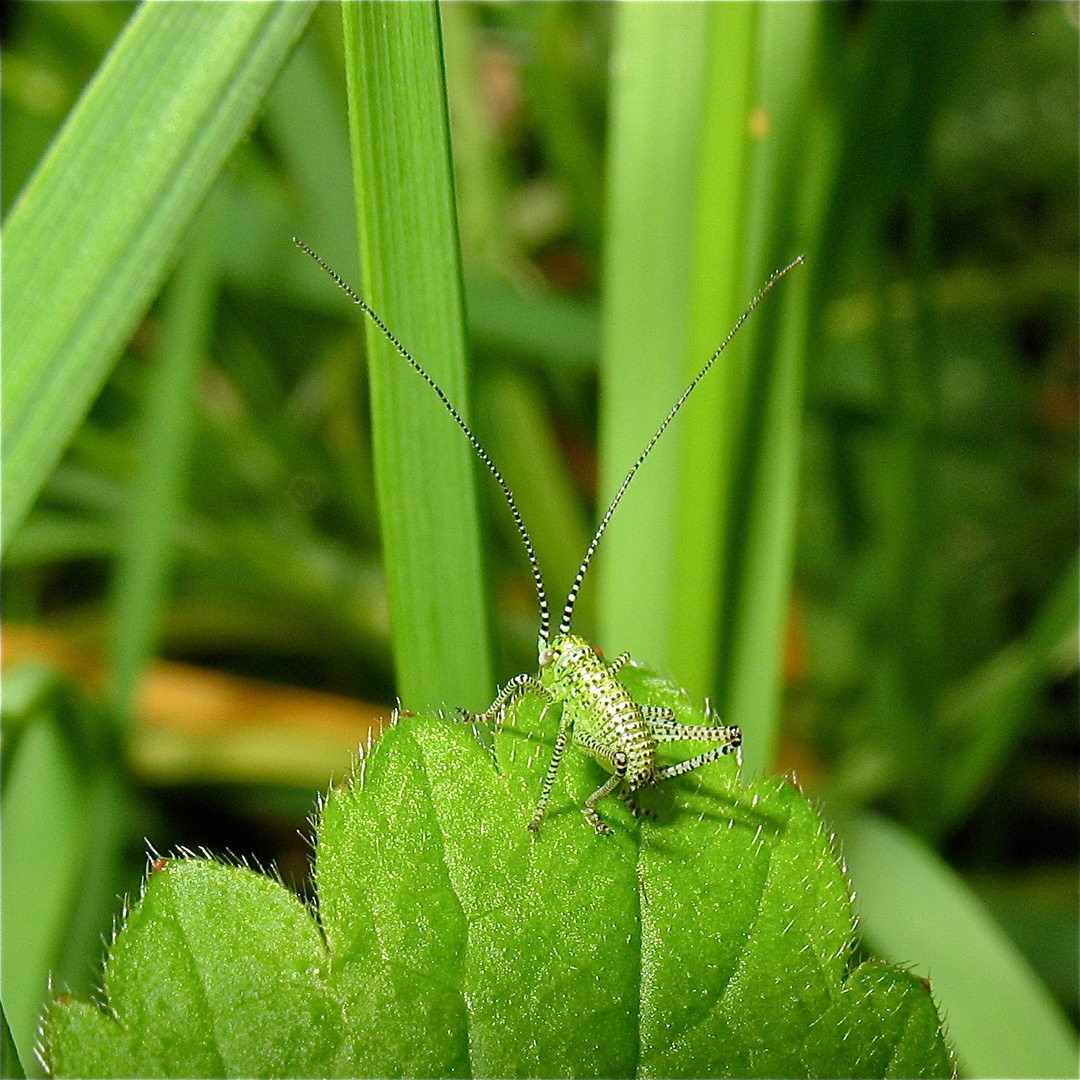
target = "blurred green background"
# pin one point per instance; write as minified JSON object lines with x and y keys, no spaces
{"x":218,"y":512}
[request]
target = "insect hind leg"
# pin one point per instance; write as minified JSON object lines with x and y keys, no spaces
{"x":665,"y":728}
{"x":732,"y":740}
{"x":668,"y":729}
{"x":658,"y":716}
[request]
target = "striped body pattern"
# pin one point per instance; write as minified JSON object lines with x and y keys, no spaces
{"x":596,"y":711}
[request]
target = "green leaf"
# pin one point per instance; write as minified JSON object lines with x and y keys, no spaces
{"x":218,"y":971}
{"x":92,"y":235}
{"x":713,"y":941}
{"x":884,"y":1024}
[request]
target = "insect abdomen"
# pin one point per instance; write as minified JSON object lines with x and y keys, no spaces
{"x":615,"y":720}
{"x":605,"y":717}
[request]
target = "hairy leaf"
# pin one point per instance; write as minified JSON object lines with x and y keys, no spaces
{"x":712,"y":940}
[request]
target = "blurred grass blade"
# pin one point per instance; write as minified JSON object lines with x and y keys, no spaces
{"x":716,"y":295}
{"x":142,"y":574}
{"x":659,"y":64}
{"x":42,"y":843}
{"x":411,"y":276}
{"x":696,"y":567}
{"x":992,"y":706}
{"x":792,"y":169}
{"x":91,"y":236}
{"x":10,"y":1065}
{"x":307,"y":121}
{"x":914,"y":911}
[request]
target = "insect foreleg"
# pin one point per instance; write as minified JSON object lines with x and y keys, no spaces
{"x":553,"y":768}
{"x":620,"y":661}
{"x":513,"y":691}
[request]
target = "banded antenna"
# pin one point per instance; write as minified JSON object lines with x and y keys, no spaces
{"x":541,"y":595}
{"x":571,"y":599}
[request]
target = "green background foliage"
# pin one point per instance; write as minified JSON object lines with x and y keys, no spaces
{"x":881,"y":474}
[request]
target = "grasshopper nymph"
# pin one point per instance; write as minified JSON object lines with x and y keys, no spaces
{"x":597,"y":711}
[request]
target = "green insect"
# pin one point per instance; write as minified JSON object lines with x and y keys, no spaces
{"x":597,"y":710}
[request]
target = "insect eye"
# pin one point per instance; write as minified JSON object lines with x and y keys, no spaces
{"x":546,"y":656}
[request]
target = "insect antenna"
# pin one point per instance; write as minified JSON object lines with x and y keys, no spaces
{"x":568,"y":610}
{"x":541,"y":595}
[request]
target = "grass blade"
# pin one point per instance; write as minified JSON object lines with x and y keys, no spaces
{"x":142,"y":573}
{"x":90,"y":239}
{"x":44,"y":838}
{"x":987,"y":713}
{"x":655,"y":124}
{"x":411,"y":276}
{"x":697,"y":565}
{"x":915,"y":911}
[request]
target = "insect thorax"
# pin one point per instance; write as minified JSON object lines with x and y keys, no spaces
{"x":606,"y":718}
